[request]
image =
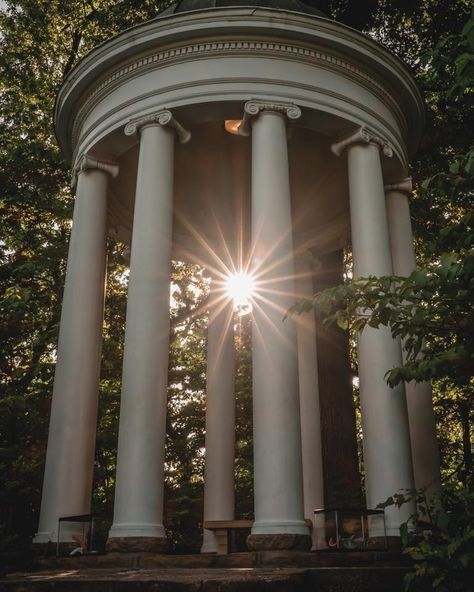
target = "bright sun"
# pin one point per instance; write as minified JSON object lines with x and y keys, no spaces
{"x":240,"y":287}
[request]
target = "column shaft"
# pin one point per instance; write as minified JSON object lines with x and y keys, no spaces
{"x":138,"y":512}
{"x":220,"y":419}
{"x":277,"y":433}
{"x":387,"y":453}
{"x":68,"y":475}
{"x":313,"y":483}
{"x":424,"y":444}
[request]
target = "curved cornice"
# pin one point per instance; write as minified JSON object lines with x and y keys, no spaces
{"x":291,"y":51}
{"x":179,"y":37}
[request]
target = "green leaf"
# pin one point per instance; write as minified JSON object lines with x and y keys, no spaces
{"x":455,"y":167}
{"x":385,"y":316}
{"x":404,"y":533}
{"x":342,"y":323}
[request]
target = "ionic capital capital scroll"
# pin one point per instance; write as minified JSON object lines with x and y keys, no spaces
{"x":254,"y":108}
{"x":404,"y":186}
{"x":163,"y":118}
{"x":362,"y":136}
{"x":87,"y":163}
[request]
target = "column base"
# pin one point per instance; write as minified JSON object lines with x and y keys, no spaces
{"x":277,"y":542}
{"x":137,"y":545}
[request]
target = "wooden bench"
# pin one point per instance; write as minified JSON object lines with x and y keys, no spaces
{"x":223,"y":530}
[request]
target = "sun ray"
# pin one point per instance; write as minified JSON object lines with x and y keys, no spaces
{"x":245,"y":281}
{"x":277,"y":330}
{"x":229,"y":321}
{"x":240,"y":286}
{"x":271,"y":303}
{"x":221,"y":269}
{"x":269,"y":251}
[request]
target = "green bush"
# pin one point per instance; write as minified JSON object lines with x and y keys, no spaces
{"x":442,"y":544}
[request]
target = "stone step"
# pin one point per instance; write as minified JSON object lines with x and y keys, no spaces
{"x":233,"y":560}
{"x":323,"y":579}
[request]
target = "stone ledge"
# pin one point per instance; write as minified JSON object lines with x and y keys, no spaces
{"x":137,"y":545}
{"x":363,"y":579}
{"x":276,"y":558}
{"x":277,"y":542}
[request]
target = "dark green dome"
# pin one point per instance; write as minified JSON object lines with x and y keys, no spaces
{"x":293,"y":5}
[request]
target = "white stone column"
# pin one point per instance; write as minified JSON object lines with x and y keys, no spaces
{"x":387,"y":453}
{"x":67,"y":485}
{"x":220,"y":416}
{"x":138,"y":511}
{"x":279,"y":513}
{"x":424,"y":444}
{"x":313,"y":480}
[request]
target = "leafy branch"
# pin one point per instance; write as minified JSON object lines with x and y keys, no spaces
{"x":431,"y":311}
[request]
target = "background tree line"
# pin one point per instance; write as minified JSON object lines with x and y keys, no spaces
{"x":40,"y":41}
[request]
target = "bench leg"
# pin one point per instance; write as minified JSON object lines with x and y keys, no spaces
{"x":222,"y":541}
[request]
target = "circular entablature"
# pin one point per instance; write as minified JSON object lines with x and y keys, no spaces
{"x":227,"y":55}
{"x":204,"y":66}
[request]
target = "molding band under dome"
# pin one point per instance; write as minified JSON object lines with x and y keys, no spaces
{"x":178,"y":60}
{"x":290,"y":5}
{"x":188,"y":52}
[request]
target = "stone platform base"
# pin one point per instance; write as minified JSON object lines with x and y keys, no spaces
{"x":282,"y":558}
{"x":266,"y":571}
{"x":274,"y":542}
{"x":362,"y":579}
{"x":51,"y":548}
{"x":137,"y":545}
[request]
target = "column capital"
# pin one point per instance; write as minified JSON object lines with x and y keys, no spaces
{"x":87,"y":163}
{"x":362,"y":136}
{"x":163,"y":118}
{"x":253,"y":108}
{"x":404,"y":186}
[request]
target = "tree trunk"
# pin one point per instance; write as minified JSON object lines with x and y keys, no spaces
{"x":464,"y":412}
{"x":342,"y":484}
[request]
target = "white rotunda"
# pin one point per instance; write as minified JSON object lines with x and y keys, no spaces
{"x":234,"y":133}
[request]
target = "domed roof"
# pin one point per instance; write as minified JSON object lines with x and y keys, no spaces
{"x":293,"y":5}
